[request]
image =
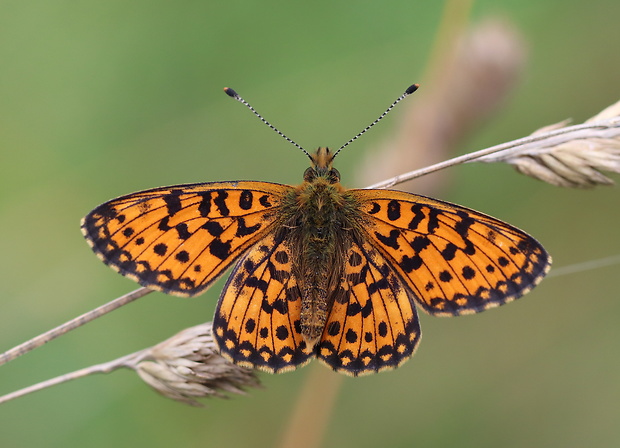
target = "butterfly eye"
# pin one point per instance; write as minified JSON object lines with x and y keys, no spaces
{"x":309,"y":174}
{"x":333,"y":176}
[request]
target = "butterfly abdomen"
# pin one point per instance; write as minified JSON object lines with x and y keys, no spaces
{"x":320,"y":241}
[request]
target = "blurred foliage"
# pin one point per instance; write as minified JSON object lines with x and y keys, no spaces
{"x":99,"y":99}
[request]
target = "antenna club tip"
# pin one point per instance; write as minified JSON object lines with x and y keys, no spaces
{"x":412,"y":88}
{"x":230,"y":92}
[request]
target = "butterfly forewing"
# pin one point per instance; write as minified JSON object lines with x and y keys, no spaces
{"x":180,"y":239}
{"x":257,"y":320}
{"x":373,"y":323}
{"x":454,"y":259}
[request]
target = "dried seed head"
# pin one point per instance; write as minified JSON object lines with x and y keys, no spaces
{"x":188,"y":366}
{"x":570,"y":156}
{"x":576,"y":164}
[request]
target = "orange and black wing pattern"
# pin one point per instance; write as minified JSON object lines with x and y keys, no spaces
{"x":180,"y":239}
{"x":455,"y":260}
{"x":373,"y":323}
{"x":257,"y":320}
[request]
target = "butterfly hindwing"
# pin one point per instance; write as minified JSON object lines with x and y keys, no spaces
{"x":257,"y":320}
{"x":454,"y":259}
{"x":180,"y":239}
{"x":373,"y":323}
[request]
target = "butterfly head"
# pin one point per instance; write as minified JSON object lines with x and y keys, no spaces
{"x":322,"y":167}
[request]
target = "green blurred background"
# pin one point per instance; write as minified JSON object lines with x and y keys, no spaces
{"x":99,"y":99}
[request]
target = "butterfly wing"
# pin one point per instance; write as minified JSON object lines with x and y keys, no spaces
{"x":454,"y":259}
{"x":257,"y":320}
{"x":180,"y":239}
{"x":372,"y":324}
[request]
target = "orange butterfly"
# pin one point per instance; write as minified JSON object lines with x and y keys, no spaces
{"x":321,"y":271}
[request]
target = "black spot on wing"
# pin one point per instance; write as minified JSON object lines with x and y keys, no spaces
{"x":333,"y":328}
{"x":220,"y":249}
{"x":243,"y":230}
{"x":409,"y":264}
{"x":214,"y":228}
{"x":282,"y":333}
{"x":449,"y":252}
{"x":418,"y":216}
{"x":391,"y":240}
{"x":250,"y":325}
{"x":264,"y":201}
{"x":164,"y":225}
{"x":383,"y":329}
{"x":376,"y":208}
{"x":468,"y":272}
{"x":445,"y":276}
{"x":204,"y":208}
{"x":393,"y":210}
{"x":420,"y":243}
{"x":160,"y":249}
{"x":281,"y":257}
{"x":355,"y":259}
{"x":246,"y":200}
{"x":182,"y":256}
{"x":173,"y":202}
{"x":462,"y":226}
{"x":220,"y":202}
{"x":182,"y":231}
{"x":351,"y":336}
{"x":433,"y":220}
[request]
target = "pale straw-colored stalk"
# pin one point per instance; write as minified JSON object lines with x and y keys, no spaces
{"x":185,"y":367}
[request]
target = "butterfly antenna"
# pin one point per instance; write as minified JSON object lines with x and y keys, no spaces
{"x":231,"y":93}
{"x":408,"y":92}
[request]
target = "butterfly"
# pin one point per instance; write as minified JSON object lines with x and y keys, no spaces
{"x":320,"y":271}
